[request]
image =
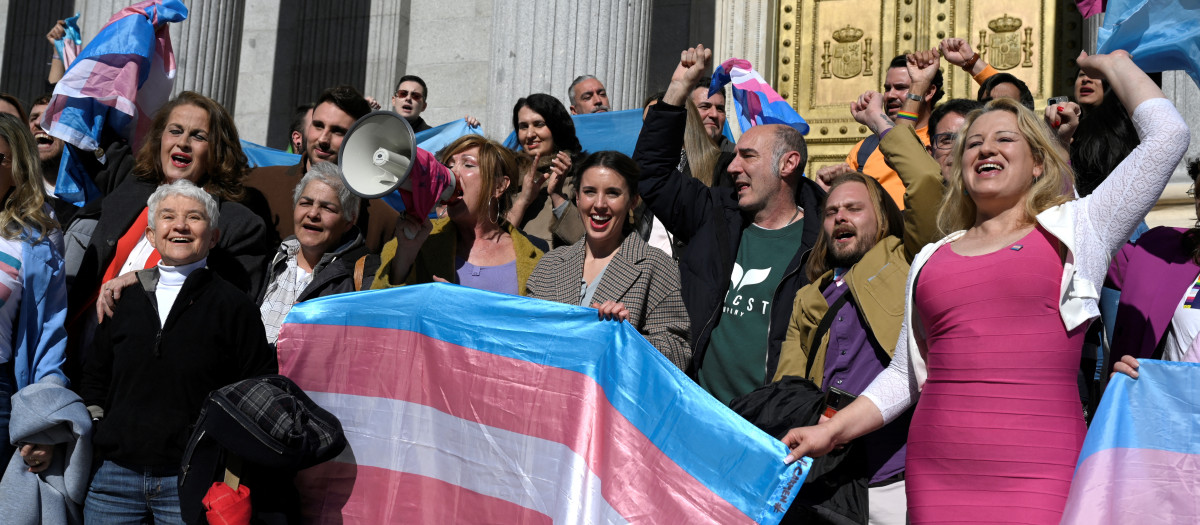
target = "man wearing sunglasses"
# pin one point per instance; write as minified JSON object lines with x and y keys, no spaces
{"x":409,"y":101}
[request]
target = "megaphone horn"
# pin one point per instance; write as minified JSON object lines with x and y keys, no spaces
{"x":379,"y":158}
{"x":376,"y":154}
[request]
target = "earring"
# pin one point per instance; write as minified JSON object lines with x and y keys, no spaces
{"x":496,"y":203}
{"x":965,"y":194}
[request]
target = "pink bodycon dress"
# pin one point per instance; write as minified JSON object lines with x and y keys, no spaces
{"x":999,"y":425}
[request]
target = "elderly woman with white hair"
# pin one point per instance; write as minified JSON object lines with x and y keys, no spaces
{"x":180,"y":332}
{"x":317,"y":260}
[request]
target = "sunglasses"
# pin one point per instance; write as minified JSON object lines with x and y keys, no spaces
{"x":416,"y":95}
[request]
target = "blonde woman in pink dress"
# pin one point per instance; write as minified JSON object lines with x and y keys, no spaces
{"x":996,"y":312}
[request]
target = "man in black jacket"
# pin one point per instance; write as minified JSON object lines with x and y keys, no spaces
{"x":742,"y":266}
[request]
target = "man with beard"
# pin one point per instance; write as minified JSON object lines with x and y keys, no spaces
{"x":270,"y":188}
{"x":845,"y":324}
{"x":898,"y":92}
{"x":49,"y":154}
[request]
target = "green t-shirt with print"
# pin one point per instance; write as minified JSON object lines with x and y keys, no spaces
{"x":736,"y":359}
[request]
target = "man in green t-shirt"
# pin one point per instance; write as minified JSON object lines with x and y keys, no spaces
{"x":741,"y":269}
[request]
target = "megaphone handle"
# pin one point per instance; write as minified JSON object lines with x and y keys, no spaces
{"x":410,"y":232}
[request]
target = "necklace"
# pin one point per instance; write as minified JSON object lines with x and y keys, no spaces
{"x":794,"y":215}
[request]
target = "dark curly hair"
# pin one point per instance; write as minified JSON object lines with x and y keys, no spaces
{"x":227,"y":163}
{"x":562,"y":128}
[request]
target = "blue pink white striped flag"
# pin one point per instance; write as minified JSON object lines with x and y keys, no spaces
{"x":117,"y":82}
{"x":1140,"y":462}
{"x":1162,"y":35}
{"x":465,"y":406}
{"x":754,"y":100}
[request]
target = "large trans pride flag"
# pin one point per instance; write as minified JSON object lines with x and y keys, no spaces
{"x":1140,"y":462}
{"x":754,"y":100}
{"x":465,"y":406}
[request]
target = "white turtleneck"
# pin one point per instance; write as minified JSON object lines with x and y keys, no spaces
{"x":170,"y":280}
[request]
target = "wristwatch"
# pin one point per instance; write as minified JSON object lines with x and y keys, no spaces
{"x":914,"y":98}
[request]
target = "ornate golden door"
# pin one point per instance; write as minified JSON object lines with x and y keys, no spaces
{"x":830,"y":51}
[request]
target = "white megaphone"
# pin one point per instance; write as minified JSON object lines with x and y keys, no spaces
{"x":379,"y":157}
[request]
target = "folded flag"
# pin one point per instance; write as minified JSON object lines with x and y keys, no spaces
{"x":71,"y":43}
{"x":1162,"y":35}
{"x":117,"y":82}
{"x":610,"y":130}
{"x":754,"y":100}
{"x":466,"y":406}
{"x":1140,"y":462}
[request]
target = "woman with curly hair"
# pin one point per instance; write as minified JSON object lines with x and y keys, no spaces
{"x":192,"y":137}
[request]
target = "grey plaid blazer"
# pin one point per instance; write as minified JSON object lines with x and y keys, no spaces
{"x":642,"y":278}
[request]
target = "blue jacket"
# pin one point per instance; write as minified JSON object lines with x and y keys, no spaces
{"x":41,"y":334}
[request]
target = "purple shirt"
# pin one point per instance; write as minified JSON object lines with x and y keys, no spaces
{"x":851,"y":363}
{"x":500,"y":278}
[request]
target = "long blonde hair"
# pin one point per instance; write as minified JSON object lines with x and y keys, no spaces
{"x":957,"y":210}
{"x":24,"y":208}
{"x":702,"y":152}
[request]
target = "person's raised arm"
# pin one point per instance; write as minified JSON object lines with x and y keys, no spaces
{"x":958,"y":52}
{"x":681,"y":202}
{"x":57,"y":67}
{"x":691,"y":67}
{"x":1120,"y":202}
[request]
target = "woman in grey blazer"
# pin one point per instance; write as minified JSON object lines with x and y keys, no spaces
{"x":612,"y":269}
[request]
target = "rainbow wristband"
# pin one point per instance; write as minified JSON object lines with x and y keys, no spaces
{"x":906,"y":115}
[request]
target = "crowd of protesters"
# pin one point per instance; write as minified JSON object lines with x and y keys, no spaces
{"x":936,"y":291}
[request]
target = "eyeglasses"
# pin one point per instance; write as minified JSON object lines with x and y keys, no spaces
{"x":943,"y":140}
{"x":404,"y":93}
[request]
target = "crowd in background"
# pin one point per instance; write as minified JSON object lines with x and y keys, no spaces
{"x":939,"y":292}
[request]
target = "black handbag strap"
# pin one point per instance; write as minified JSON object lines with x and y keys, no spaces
{"x":824,"y":327}
{"x":870,"y":144}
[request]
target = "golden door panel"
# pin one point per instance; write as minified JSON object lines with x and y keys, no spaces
{"x":830,"y":51}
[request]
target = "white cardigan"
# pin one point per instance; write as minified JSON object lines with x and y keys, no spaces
{"x":1092,"y":229}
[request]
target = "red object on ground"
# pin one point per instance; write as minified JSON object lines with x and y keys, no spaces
{"x":227,"y":506}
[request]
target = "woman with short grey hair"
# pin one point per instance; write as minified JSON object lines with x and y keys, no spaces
{"x":318,"y":259}
{"x":178,"y":333}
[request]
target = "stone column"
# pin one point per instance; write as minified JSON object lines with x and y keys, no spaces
{"x":1091,"y":29}
{"x":540,"y":47}
{"x":256,"y":72}
{"x":208,"y":50}
{"x":387,"y":49}
{"x":94,"y":14}
{"x":746,"y":29}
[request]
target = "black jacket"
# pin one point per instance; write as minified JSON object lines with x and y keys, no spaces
{"x":710,"y":222}
{"x":151,"y":380}
{"x":334,"y":273}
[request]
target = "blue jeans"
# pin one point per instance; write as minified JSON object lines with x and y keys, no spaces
{"x":119,"y":495}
